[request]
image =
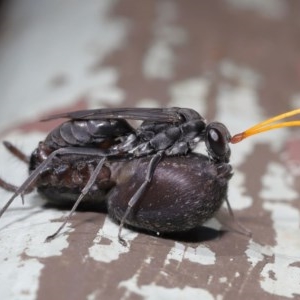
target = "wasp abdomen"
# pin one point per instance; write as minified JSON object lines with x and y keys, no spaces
{"x":87,"y":132}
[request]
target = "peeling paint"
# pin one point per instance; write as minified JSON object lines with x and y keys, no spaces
{"x":192,"y":92}
{"x":201,"y":254}
{"x":280,"y":277}
{"x":241,"y":74}
{"x":22,"y":284}
{"x":276,"y":9}
{"x":106,"y":246}
{"x":153,"y":291}
{"x":24,"y":229}
{"x":32,"y":46}
{"x":213,"y":223}
{"x":255,"y":252}
{"x":159,"y":61}
{"x":237,"y":193}
{"x":223,"y":279}
{"x":278,"y":184}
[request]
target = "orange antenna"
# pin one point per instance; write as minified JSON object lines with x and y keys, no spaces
{"x":267,"y":125}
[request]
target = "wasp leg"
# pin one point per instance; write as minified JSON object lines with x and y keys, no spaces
{"x":16,"y":152}
{"x":35,"y":174}
{"x":83,"y":193}
{"x":134,"y":199}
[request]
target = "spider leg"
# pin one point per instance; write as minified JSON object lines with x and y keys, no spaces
{"x":135,"y":198}
{"x":83,"y":193}
{"x":16,"y":152}
{"x":35,"y":174}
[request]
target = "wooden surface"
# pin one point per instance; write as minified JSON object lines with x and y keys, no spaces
{"x":236,"y":62}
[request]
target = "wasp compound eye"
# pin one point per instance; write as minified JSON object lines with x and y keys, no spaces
{"x":216,"y":142}
{"x":217,"y":139}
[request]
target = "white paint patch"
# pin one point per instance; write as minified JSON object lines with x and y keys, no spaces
{"x":106,"y":247}
{"x":275,"y":9}
{"x":147,"y":102}
{"x":223,"y":279}
{"x":236,"y":193}
{"x":213,"y":223}
{"x":11,"y":168}
{"x":256,"y":252}
{"x":105,"y":91}
{"x":149,"y":259}
{"x":281,"y":278}
{"x":30,"y":221}
{"x":242,"y":75}
{"x":58,"y":39}
{"x":285,"y":217}
{"x":201,"y":254}
{"x":153,"y":291}
{"x":191,"y":93}
{"x":241,"y":101}
{"x":24,"y":233}
{"x":22,"y":284}
{"x":278,"y":184}
{"x":94,"y":295}
{"x":159,"y":61}
{"x":24,"y":228}
{"x":32,"y":225}
{"x":295,"y":101}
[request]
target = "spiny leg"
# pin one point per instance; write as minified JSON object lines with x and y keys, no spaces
{"x":16,"y":152}
{"x":83,"y":193}
{"x":134,"y":199}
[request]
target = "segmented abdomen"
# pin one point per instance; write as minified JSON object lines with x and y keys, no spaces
{"x":87,"y":133}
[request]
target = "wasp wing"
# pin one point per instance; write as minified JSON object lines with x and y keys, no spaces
{"x":151,"y":114}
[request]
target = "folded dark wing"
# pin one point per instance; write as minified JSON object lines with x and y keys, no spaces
{"x":151,"y":114}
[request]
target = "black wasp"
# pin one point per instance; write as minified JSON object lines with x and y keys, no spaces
{"x":149,"y":177}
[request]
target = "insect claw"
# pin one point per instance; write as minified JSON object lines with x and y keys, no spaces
{"x":241,"y":230}
{"x":50,"y":238}
{"x":122,"y":241}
